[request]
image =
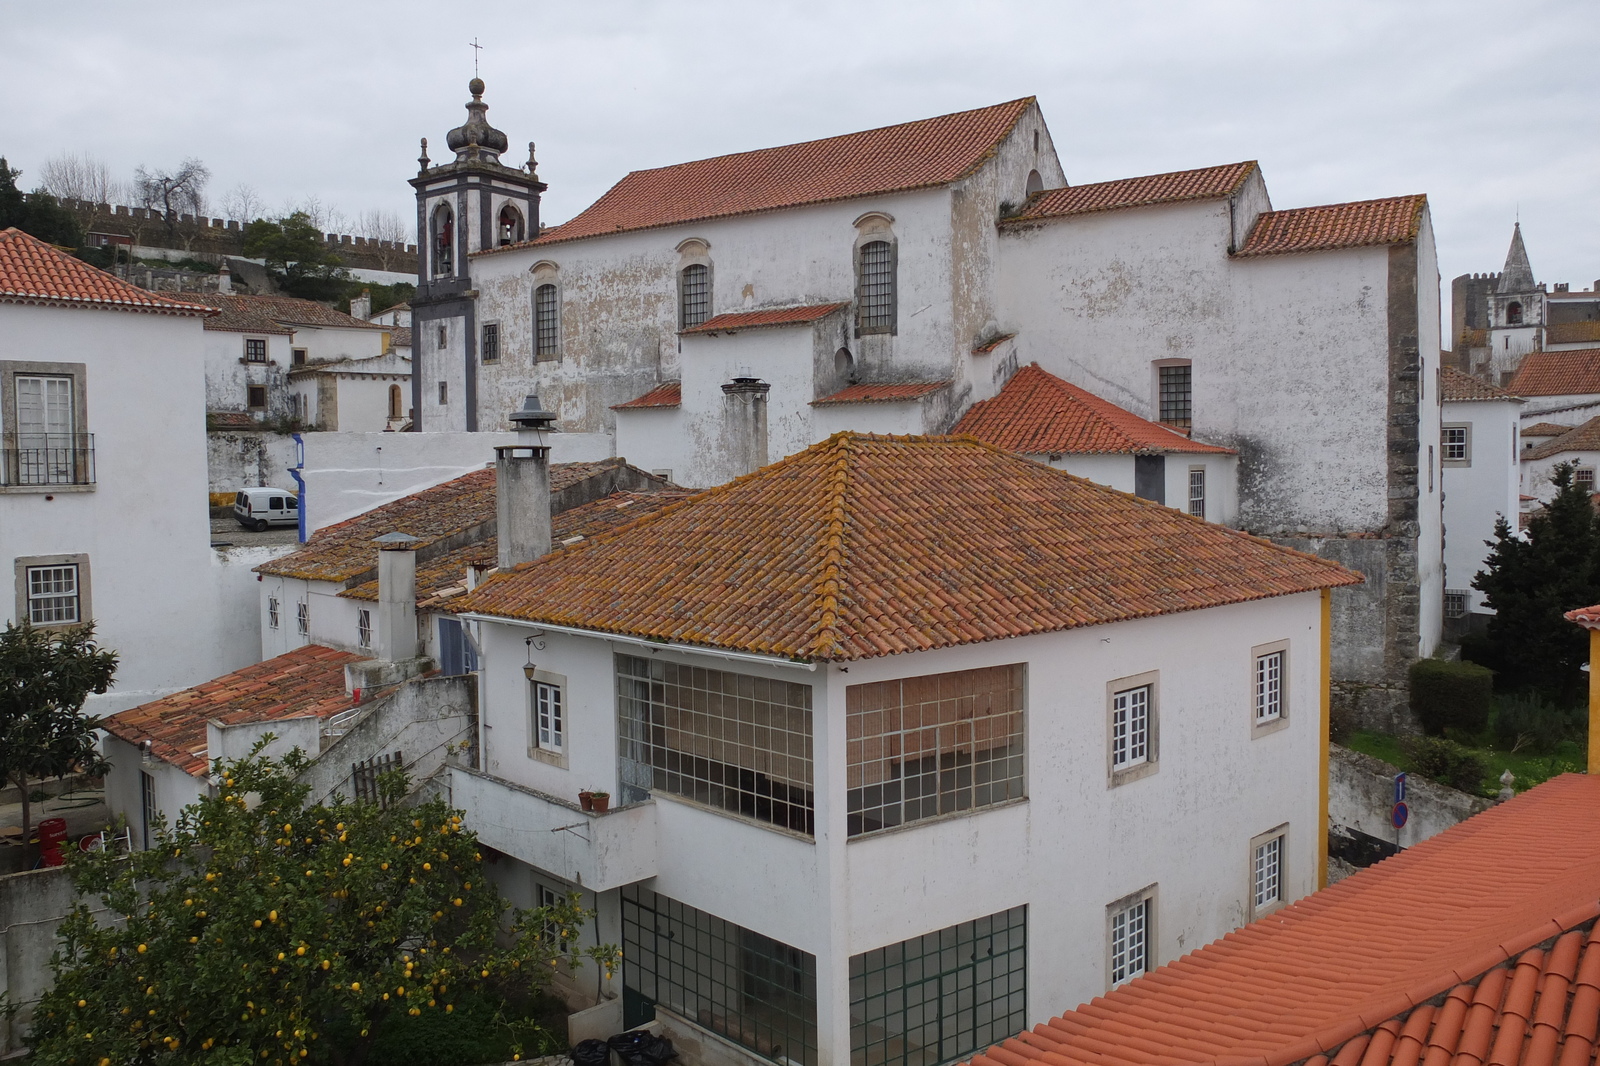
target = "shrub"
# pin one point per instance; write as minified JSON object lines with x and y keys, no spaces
{"x":1447,"y":762}
{"x":1527,"y":721}
{"x":1451,"y":694}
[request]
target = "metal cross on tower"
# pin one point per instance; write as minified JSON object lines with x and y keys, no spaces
{"x":477,"y":49}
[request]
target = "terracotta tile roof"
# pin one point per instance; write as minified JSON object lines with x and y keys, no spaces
{"x":231,"y":420}
{"x":250,"y":313}
{"x":1585,"y":616}
{"x":1572,"y":333}
{"x":913,"y":155}
{"x":1545,"y":429}
{"x":235,"y":314}
{"x":863,"y":546}
{"x":33,"y":272}
{"x":1367,"y":955}
{"x":1395,"y":220}
{"x":444,"y":576}
{"x":345,"y":550}
{"x":306,"y":681}
{"x":1570,"y":373}
{"x":667,"y":395}
{"x":771,"y":316}
{"x":1584,"y":438}
{"x":881,"y":392}
{"x":991,"y":344}
{"x":1454,"y":385}
{"x":1037,"y":413}
{"x":1207,"y":183}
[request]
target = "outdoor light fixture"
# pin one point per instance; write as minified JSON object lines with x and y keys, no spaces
{"x":528,"y":670}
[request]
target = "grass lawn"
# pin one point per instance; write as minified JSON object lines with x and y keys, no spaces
{"x":1530,"y":769}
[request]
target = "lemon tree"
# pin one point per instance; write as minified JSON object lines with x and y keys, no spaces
{"x":263,"y":930}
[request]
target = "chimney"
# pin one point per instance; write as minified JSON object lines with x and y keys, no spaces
{"x":745,"y":422}
{"x":361,"y":306}
{"x":522,"y":487}
{"x":397,"y":597}
{"x":224,"y":278}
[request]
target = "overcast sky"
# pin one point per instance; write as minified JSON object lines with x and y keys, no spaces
{"x":1488,"y":107}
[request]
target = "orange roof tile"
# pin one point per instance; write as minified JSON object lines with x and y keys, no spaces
{"x":244,"y":312}
{"x":1395,"y":220}
{"x":863,"y":546}
{"x":1545,"y":429}
{"x":1206,"y":183}
{"x":1572,"y":333}
{"x":1588,"y":617}
{"x":771,"y":316}
{"x":1454,"y":385}
{"x":33,"y":272}
{"x":1037,"y":413}
{"x":1584,"y":438}
{"x":1350,"y":974}
{"x":1570,"y":373}
{"x":913,"y":155}
{"x":667,"y":395}
{"x":881,"y":392}
{"x":306,"y":681}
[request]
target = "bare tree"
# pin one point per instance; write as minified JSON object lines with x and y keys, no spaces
{"x":173,"y":191}
{"x":74,"y":176}
{"x":243,"y":203}
{"x":384,"y":226}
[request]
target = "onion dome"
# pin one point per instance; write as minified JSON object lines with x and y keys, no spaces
{"x":476,"y":139}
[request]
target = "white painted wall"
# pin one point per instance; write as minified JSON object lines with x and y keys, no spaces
{"x":1536,"y":472}
{"x":1481,"y":490}
{"x":901,"y":417}
{"x":228,"y":376}
{"x":1117,"y":472}
{"x":652,"y":438}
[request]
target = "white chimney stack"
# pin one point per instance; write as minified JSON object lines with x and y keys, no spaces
{"x":397,"y":597}
{"x":522,"y":487}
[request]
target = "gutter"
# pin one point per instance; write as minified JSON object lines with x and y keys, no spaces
{"x":642,"y":642}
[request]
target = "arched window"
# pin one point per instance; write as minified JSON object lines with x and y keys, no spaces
{"x":1035,"y":183}
{"x":694,"y":295}
{"x":510,"y":226}
{"x":875,"y":295}
{"x":395,"y":401}
{"x":444,"y":240}
{"x":844,"y":364}
{"x":546,"y":323}
{"x":1513,"y":314}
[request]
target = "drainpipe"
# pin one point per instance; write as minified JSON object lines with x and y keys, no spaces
{"x":300,"y":482}
{"x":1589,"y":618}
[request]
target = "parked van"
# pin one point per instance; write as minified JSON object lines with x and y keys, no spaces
{"x":259,"y":508}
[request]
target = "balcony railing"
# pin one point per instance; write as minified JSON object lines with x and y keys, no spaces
{"x":53,"y":459}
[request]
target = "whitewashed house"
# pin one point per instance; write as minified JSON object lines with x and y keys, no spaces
{"x":885,"y":697}
{"x":102,"y":467}
{"x":354,"y":395}
{"x":726,"y":312}
{"x":1561,"y":387}
{"x":1579,"y":446}
{"x":1480,"y":452}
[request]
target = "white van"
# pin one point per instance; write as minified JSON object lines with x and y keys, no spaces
{"x":259,"y":508}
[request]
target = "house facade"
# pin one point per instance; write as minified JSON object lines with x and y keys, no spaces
{"x":1480,"y":459}
{"x":864,"y":717}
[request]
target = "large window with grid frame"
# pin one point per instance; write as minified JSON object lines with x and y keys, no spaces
{"x":1267,"y":856}
{"x":758,"y":992}
{"x":920,"y":747}
{"x":732,"y":741}
{"x":546,"y":323}
{"x":53,"y":597}
{"x":940,"y":996}
{"x":1131,"y":712}
{"x":875,"y":288}
{"x":1130,"y":936}
{"x":1175,"y":383}
{"x":694,"y":295}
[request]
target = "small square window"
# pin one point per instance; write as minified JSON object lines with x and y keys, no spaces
{"x":256,"y":397}
{"x":1131,"y":723}
{"x":297,"y":356}
{"x":364,"y":628}
{"x":1457,"y":445}
{"x":491,"y":342}
{"x":1456,"y":603}
{"x":1130,"y":936}
{"x":1268,"y":853}
{"x":255,"y":350}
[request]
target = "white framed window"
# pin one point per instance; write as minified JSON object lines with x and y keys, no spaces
{"x":302,"y":618}
{"x":272,"y":612}
{"x":1456,"y":442}
{"x":1131,"y":727}
{"x":547,"y":707}
{"x":1197,"y":491}
{"x":545,"y":896}
{"x":1268,"y":853}
{"x":1130,"y":936}
{"x":53,"y":595}
{"x":43,"y":415}
{"x":1269,"y":687}
{"x":364,"y":628}
{"x":1583,"y":477}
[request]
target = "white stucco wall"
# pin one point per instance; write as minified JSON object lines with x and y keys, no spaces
{"x":1117,"y":472}
{"x":901,"y":417}
{"x":1535,"y":476}
{"x":653,"y":439}
{"x":228,"y":376}
{"x":1479,"y":491}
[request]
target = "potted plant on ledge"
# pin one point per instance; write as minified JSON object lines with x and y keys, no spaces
{"x":601,"y":801}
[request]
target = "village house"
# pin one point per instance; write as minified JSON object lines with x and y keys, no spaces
{"x":102,"y":409}
{"x":1480,"y":464}
{"x":720,"y":314}
{"x":817,"y":708}
{"x":1560,"y":387}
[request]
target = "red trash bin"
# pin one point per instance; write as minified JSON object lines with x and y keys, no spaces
{"x":52,"y":831}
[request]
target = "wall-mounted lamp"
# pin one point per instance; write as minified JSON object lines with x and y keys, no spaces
{"x":528,"y":669}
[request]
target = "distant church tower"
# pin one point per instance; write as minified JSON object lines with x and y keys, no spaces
{"x":468,"y":204}
{"x":1516,"y":312}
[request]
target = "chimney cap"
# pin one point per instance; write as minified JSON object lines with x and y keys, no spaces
{"x":396,"y":541}
{"x":532,"y":415}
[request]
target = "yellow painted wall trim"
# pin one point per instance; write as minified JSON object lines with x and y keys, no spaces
{"x":1594,"y":701}
{"x":1327,"y":724}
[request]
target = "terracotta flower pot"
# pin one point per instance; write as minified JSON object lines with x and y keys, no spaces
{"x":602,"y":803}
{"x":586,"y":800}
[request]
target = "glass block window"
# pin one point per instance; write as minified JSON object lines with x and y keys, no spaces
{"x":1455,"y":603}
{"x":364,"y":628}
{"x":875,"y":298}
{"x":756,"y":991}
{"x":490,"y":352}
{"x":919,"y":747}
{"x":731,"y":741}
{"x":1269,"y":687}
{"x":938,"y":997}
{"x":1197,"y":491}
{"x":255,"y":350}
{"x":549,"y":726}
{"x":694,"y":295}
{"x":546,"y":327}
{"x":1130,"y":939}
{"x":1455,"y":443}
{"x":1267,"y":865}
{"x":1175,"y":395}
{"x":53,"y":595}
{"x":302,"y":618}
{"x":1130,"y":727}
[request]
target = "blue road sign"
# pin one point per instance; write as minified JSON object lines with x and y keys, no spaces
{"x":1398,"y":816}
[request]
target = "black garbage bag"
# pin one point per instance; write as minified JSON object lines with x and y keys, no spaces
{"x":640,"y":1047}
{"x":591,"y":1053}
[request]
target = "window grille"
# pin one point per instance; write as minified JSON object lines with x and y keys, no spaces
{"x":491,"y":343}
{"x":302,"y":618}
{"x":756,"y":991}
{"x":255,"y":397}
{"x":920,"y":747}
{"x":1583,"y":477}
{"x":1175,"y":382}
{"x":53,"y":595}
{"x":548,"y":715}
{"x":875,"y":296}
{"x":364,"y":776}
{"x":272,"y":612}
{"x":940,"y":996}
{"x":364,"y":628}
{"x":1130,"y":727}
{"x":546,"y":329}
{"x":1269,"y":687}
{"x":1455,"y":443}
{"x":255,"y":350}
{"x":1197,"y":492}
{"x":694,"y":295}
{"x":1455,"y":603}
{"x":732,"y":741}
{"x":1130,"y":941}
{"x":1268,"y":866}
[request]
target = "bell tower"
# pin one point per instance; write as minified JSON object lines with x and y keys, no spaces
{"x":468,"y":204}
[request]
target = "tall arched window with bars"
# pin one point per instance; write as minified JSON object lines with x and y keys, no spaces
{"x":875,"y":285}
{"x":694,"y":295}
{"x":546,"y":323}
